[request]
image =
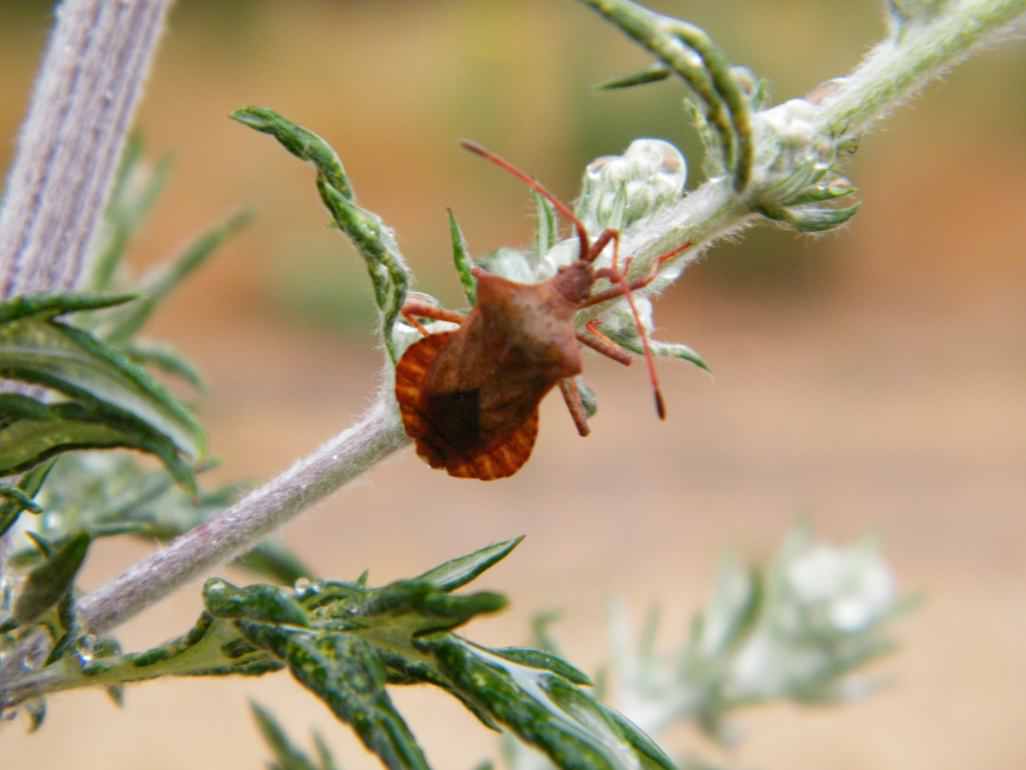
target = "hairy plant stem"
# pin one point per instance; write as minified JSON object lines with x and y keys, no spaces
{"x":917,"y":52}
{"x":374,"y":437}
{"x":88,"y":87}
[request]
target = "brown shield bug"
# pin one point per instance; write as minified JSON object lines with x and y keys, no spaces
{"x":469,"y":397}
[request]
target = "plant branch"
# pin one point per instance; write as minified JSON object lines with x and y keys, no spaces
{"x":895,"y":69}
{"x":89,"y":85}
{"x":915,"y":53}
{"x":374,"y":437}
{"x":917,"y":50}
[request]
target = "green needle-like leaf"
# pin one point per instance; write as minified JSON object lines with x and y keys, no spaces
{"x":287,"y":756}
{"x":14,"y":500}
{"x":48,"y":583}
{"x":37,"y":348}
{"x":32,"y":431}
{"x":462,"y":260}
{"x":651,"y":74}
{"x":458,"y":572}
{"x":127,"y":210}
{"x":161,"y":282}
{"x":165,"y":358}
{"x":547,"y":233}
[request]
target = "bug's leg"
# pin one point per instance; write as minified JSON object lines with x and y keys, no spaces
{"x":637,"y":283}
{"x":572,"y":397}
{"x":615,"y":291}
{"x":622,"y":288}
{"x":607,"y":235}
{"x":413,"y":310}
{"x":596,"y":340}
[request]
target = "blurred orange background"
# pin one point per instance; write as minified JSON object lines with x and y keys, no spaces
{"x":872,"y":380}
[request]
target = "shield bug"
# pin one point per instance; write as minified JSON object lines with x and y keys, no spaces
{"x":469,"y":397}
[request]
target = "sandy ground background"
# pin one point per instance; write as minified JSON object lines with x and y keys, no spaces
{"x":869,"y":381}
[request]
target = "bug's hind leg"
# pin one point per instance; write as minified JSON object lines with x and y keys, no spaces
{"x":572,"y":397}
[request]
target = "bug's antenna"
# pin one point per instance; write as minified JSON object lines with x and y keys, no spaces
{"x":534,"y":184}
{"x":660,"y":404}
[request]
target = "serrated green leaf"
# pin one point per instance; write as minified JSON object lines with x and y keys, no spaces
{"x":126,"y":212}
{"x":260,"y":603}
{"x":155,"y":287}
{"x":48,"y":583}
{"x":45,"y":351}
{"x":546,"y":710}
{"x":346,"y":674}
{"x":414,"y":607}
{"x":372,"y":238}
{"x":459,"y":571}
{"x":31,"y":432}
{"x":301,"y":142}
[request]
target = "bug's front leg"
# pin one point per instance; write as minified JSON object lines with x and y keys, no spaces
{"x":413,"y":310}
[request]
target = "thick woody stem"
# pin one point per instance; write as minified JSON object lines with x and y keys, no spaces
{"x":88,"y":88}
{"x":89,"y":84}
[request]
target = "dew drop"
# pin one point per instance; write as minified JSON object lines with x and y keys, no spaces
{"x":85,"y":649}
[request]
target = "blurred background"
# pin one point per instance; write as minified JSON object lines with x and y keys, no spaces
{"x":869,"y":381}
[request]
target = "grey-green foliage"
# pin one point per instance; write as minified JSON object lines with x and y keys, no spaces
{"x":801,"y":627}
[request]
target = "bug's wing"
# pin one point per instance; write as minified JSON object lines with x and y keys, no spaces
{"x":500,"y":459}
{"x":410,"y":375}
{"x":466,"y":431}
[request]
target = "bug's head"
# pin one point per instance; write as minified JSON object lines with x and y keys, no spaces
{"x":574,"y":281}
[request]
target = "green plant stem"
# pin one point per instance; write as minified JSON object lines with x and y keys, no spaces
{"x":918,"y":51}
{"x":896,"y":68}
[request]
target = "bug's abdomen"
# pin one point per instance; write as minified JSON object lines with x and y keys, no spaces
{"x":450,"y":427}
